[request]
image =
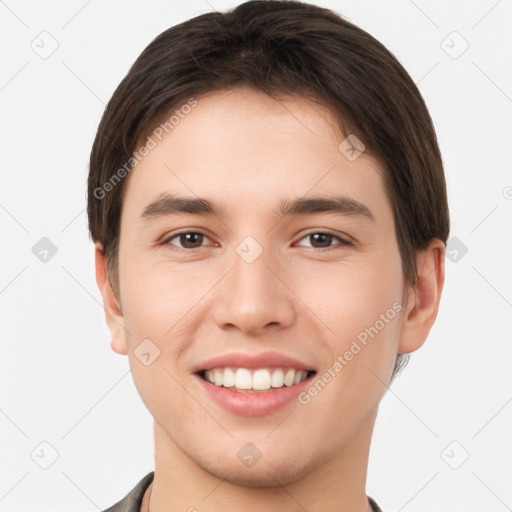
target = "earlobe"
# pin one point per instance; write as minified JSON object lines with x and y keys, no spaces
{"x":422,"y":303}
{"x":113,"y":314}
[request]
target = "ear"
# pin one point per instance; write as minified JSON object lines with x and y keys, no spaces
{"x":113,"y":313}
{"x":422,"y":303}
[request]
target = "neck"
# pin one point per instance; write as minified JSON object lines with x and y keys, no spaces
{"x":332,"y":482}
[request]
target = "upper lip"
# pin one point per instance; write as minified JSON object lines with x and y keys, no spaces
{"x":244,"y":360}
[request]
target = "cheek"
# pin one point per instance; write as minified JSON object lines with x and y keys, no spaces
{"x":157,"y":296}
{"x":362,"y":308}
{"x":158,"y":304}
{"x":350,"y":296}
{"x":361,"y":305}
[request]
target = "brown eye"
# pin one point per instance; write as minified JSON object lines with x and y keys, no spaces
{"x":188,"y":240}
{"x":323,"y":240}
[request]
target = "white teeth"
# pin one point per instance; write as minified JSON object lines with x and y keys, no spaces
{"x":218,"y":377}
{"x":261,"y":379}
{"x":300,"y":376}
{"x":258,"y":380}
{"x":289,"y":377}
{"x":277,"y":379}
{"x":243,"y":379}
{"x":229,"y":378}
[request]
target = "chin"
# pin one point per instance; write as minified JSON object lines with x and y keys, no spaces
{"x":262,"y":474}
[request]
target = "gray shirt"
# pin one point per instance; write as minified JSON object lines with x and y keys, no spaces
{"x":133,"y":500}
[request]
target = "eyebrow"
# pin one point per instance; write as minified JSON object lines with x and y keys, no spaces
{"x":171,"y":204}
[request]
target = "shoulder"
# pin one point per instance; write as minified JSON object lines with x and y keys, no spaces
{"x":133,"y":500}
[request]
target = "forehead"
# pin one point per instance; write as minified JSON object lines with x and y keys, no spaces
{"x":242,"y":144}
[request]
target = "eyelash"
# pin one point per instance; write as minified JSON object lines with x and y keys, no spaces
{"x":342,"y":241}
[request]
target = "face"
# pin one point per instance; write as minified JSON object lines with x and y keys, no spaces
{"x":324,"y":288}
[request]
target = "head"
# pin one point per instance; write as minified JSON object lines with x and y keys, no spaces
{"x":252,"y":108}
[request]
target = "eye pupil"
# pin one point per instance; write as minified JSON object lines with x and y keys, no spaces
{"x":322,"y":235}
{"x":184,"y":241}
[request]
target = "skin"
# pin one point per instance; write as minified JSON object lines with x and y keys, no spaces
{"x":249,"y":152}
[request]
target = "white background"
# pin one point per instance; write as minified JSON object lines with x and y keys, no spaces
{"x":61,"y":383}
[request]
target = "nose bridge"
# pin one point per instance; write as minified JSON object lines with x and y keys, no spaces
{"x":252,"y":297}
{"x":251,"y":274}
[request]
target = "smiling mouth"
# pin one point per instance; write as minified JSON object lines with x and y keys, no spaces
{"x":253,"y":381}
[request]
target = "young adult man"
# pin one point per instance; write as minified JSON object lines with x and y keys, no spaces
{"x":268,"y":204}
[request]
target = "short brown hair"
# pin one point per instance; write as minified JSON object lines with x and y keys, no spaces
{"x":279,"y":47}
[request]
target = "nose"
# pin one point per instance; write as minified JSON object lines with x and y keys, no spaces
{"x":254,"y":297}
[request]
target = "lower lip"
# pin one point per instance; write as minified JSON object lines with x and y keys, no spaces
{"x":253,"y":404}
